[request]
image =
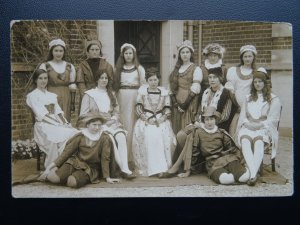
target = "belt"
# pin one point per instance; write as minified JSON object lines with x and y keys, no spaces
{"x":129,"y":87}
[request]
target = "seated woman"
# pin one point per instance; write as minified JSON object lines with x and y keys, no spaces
{"x":153,"y":138}
{"x":51,"y":129}
{"x":214,"y":96}
{"x":217,"y":148}
{"x":102,"y":101}
{"x":84,"y":156}
{"x":258,"y":123}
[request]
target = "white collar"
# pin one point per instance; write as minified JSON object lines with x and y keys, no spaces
{"x":89,"y":135}
{"x":214,"y":130}
{"x":208,"y":65}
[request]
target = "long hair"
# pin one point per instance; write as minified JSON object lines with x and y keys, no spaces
{"x":109,"y":88}
{"x":266,"y":91}
{"x":173,"y":78}
{"x":50,"y":54}
{"x":253,"y":65}
{"x":119,"y":66}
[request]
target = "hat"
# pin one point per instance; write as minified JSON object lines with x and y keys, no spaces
{"x":250,"y":48}
{"x":93,"y":42}
{"x":216,"y":71}
{"x":260,"y":73}
{"x":186,"y":44}
{"x":214,"y":48}
{"x":56,"y":42}
{"x":85,"y":119}
{"x":211,"y":111}
{"x":127,"y":45}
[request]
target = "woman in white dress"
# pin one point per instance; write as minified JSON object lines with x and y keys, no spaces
{"x":51,"y":128}
{"x":62,"y":76}
{"x":239,"y":80}
{"x":102,"y":101}
{"x":153,"y":138}
{"x":258,"y":123}
{"x":129,"y":76}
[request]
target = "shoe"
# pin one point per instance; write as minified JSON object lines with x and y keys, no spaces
{"x":128,"y":176}
{"x":166,"y":175}
{"x":252,"y":181}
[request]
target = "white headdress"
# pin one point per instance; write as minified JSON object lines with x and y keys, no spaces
{"x":250,"y":48}
{"x":127,"y":45}
{"x":186,"y":44}
{"x":56,"y":42}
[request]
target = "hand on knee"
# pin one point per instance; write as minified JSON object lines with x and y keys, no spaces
{"x":72,"y":182}
{"x":226,"y":178}
{"x":53,"y":178}
{"x":245,"y":177}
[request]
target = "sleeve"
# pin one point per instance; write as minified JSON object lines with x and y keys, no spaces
{"x":70,"y":148}
{"x":80,"y":81}
{"x":37,"y":107}
{"x":273,"y":116}
{"x":230,"y":84}
{"x":226,"y":111}
{"x":85,"y":105}
{"x":197,"y":79}
{"x":142,"y":74}
{"x":43,"y":66}
{"x":72,"y":84}
{"x":139,"y":108}
{"x":110,"y":71}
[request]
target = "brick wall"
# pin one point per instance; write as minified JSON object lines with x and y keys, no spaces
{"x":73,"y":33}
{"x":233,"y":35}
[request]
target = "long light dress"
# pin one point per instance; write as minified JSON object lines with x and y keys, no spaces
{"x":49,"y":133}
{"x":153,"y":145}
{"x":131,"y":80}
{"x":239,"y":79}
{"x":268,"y":114}
{"x":61,"y":79}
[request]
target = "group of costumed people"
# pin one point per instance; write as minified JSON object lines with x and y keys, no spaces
{"x":209,"y":119}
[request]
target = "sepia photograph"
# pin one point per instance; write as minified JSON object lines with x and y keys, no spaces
{"x":151,"y":108}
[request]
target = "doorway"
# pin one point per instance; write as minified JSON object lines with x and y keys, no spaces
{"x":144,"y":35}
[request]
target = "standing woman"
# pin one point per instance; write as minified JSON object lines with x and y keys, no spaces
{"x":129,"y":76}
{"x":213,"y":53}
{"x":102,"y":101}
{"x":86,"y":74}
{"x":153,"y":138}
{"x":239,"y":80}
{"x":62,"y":76}
{"x":185,"y":87}
{"x":258,"y":123}
{"x":51,"y":128}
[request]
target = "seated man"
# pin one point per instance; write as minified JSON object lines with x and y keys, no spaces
{"x":222,"y":157}
{"x":84,"y":157}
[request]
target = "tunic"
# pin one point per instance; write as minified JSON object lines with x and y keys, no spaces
{"x":91,"y":159}
{"x":153,"y":145}
{"x":267,"y":114}
{"x":85,"y":77}
{"x":60,"y":77}
{"x":216,"y":147}
{"x":49,"y":134}
{"x":131,"y":80}
{"x":188,"y":81}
